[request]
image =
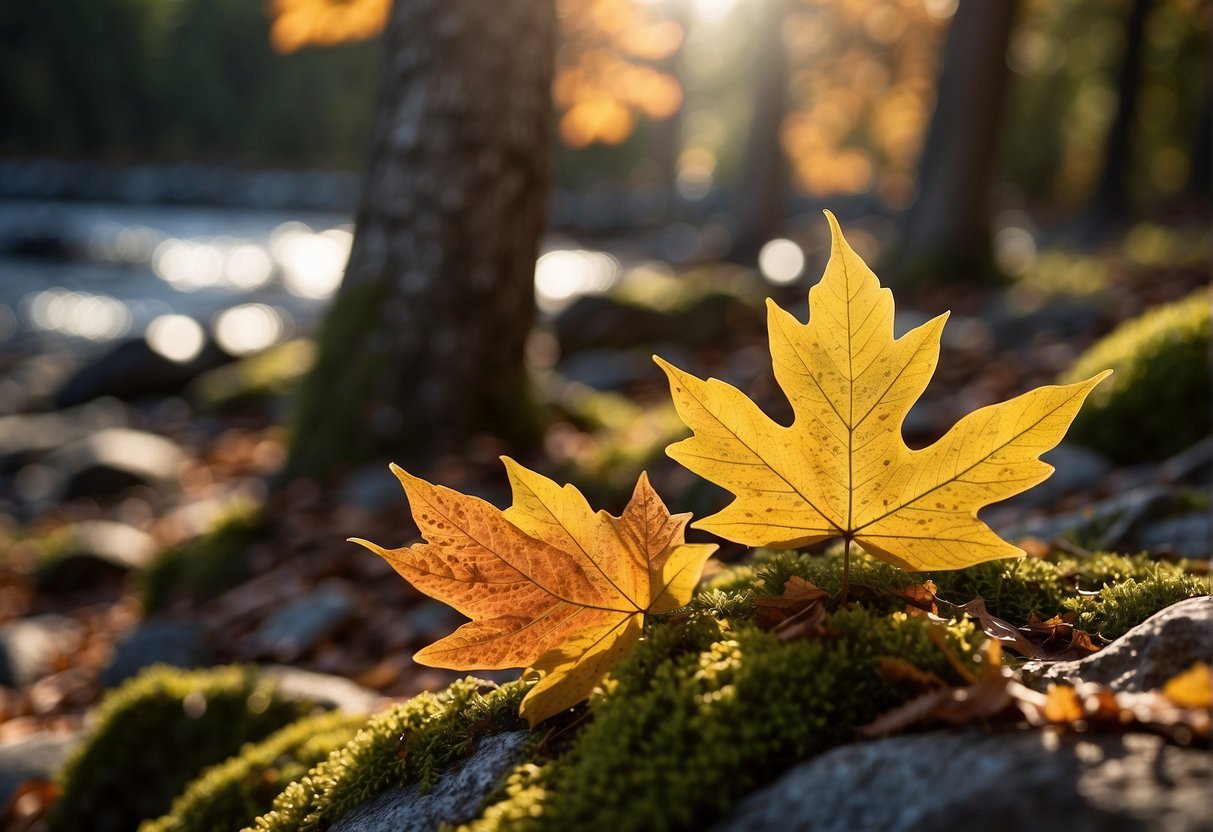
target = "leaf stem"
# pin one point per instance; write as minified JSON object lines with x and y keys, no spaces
{"x":846,"y":572}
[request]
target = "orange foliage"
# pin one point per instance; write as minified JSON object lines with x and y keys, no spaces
{"x":604,"y":72}
{"x":604,"y":76}
{"x":862,"y":90}
{"x":299,"y":23}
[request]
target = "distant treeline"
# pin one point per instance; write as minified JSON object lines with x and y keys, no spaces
{"x":124,"y":80}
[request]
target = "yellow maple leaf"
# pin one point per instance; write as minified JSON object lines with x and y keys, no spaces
{"x":549,"y":584}
{"x":841,"y":469}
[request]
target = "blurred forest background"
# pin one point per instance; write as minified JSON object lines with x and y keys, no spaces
{"x":654,"y":95}
{"x":252,"y":251}
{"x":223,"y":82}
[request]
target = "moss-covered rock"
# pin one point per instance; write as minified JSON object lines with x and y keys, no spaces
{"x":411,"y":743}
{"x":1159,"y":400}
{"x":257,"y":378}
{"x":154,"y":734}
{"x":205,"y":566}
{"x":708,"y":707}
{"x":231,"y":794}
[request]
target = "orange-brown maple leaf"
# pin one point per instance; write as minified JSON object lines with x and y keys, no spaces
{"x":549,"y":584}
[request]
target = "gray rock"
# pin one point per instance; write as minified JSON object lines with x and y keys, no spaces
{"x":24,"y":436}
{"x":371,"y":486}
{"x":430,"y":620}
{"x":94,"y":551}
{"x":456,"y":798}
{"x":324,"y":689}
{"x":609,"y":369}
{"x":156,"y":641}
{"x":133,"y":370}
{"x":1077,"y":468}
{"x":1144,"y":658}
{"x":29,"y":645}
{"x":1105,"y":524}
{"x":112,"y":460}
{"x":299,"y":626}
{"x":1190,"y":535}
{"x":35,"y":758}
{"x":1006,"y":782}
{"x":595,"y":322}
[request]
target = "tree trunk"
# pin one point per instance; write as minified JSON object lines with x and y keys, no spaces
{"x":423,"y":346}
{"x":946,"y":232}
{"x":666,"y":144}
{"x":1112,"y":192}
{"x":761,"y":193}
{"x":1200,"y":176}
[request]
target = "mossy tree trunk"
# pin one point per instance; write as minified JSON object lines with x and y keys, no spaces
{"x":946,"y":232}
{"x":423,"y":346}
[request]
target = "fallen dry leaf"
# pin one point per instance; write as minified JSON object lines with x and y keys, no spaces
{"x":997,"y":694}
{"x":842,"y":469}
{"x":1055,"y":640}
{"x":798,"y":594}
{"x":550,"y":585}
{"x":1193,"y":688}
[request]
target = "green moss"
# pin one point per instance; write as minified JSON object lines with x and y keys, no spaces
{"x":265,"y":375}
{"x":410,"y":743}
{"x":1123,"y":605}
{"x":1013,"y":589}
{"x":231,"y":794}
{"x":206,"y":565}
{"x":704,"y":711}
{"x":154,"y":734}
{"x":1158,"y":400}
{"x":707,"y":707}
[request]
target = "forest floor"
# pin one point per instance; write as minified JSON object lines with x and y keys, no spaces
{"x":89,"y":510}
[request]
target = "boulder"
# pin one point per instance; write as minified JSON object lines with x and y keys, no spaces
{"x":24,"y":436}
{"x":1189,"y":535}
{"x":299,"y":626}
{"x":454,"y":799}
{"x":34,"y":758}
{"x":1005,"y":781}
{"x":133,"y":370}
{"x":325,"y":690}
{"x":1106,"y":524}
{"x":156,"y":641}
{"x":1076,"y":469}
{"x":601,"y":322}
{"x":1143,"y":659}
{"x":609,"y":369}
{"x":28,"y":647}
{"x":112,"y":460}
{"x":95,"y":551}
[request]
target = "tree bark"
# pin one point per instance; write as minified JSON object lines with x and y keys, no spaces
{"x":423,"y":347}
{"x":946,"y":232}
{"x":762,"y":191}
{"x":1112,"y":192}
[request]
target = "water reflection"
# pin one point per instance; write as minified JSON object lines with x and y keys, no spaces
{"x":84,"y":315}
{"x":563,"y":274}
{"x":312,"y":264}
{"x":178,"y":338}
{"x":250,"y":327}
